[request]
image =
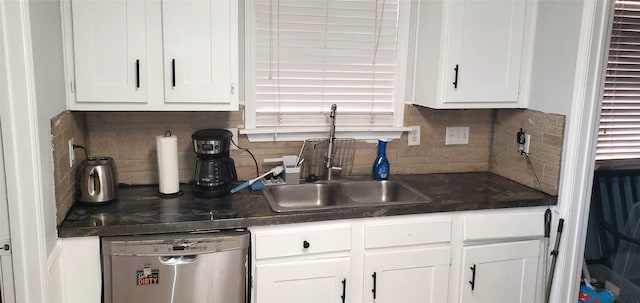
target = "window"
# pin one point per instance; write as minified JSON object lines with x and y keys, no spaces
{"x":619,"y":134}
{"x":305,"y":55}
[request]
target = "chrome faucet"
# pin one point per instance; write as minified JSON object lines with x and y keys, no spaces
{"x":332,"y":138}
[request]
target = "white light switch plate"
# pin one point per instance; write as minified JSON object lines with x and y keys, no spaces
{"x":457,"y":135}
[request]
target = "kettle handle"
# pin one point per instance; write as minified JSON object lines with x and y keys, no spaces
{"x":94,"y":182}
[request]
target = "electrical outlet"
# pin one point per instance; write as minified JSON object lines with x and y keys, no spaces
{"x":414,"y":136}
{"x":527,"y":143}
{"x":72,"y":154}
{"x":524,"y":147}
{"x":234,"y":132}
{"x":457,"y":135}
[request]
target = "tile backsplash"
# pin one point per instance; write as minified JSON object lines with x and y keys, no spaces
{"x":65,"y":126}
{"x":129,"y":137}
{"x":547,"y":133}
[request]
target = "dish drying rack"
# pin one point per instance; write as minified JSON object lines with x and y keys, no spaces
{"x":314,"y":153}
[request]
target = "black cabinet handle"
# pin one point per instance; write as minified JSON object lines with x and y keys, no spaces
{"x":473,"y":277}
{"x":137,"y":73}
{"x":455,"y":81}
{"x":305,"y":244}
{"x":374,"y":285}
{"x":173,"y":73}
{"x":344,"y":290}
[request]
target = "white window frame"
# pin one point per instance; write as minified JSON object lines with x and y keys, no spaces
{"x":619,"y":97}
{"x":269,"y":134}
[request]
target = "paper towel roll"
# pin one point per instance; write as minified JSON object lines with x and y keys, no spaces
{"x":167,"y":147}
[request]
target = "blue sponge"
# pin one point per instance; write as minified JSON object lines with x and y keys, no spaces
{"x":256,"y":186}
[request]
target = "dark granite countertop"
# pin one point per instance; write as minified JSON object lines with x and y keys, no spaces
{"x":140,"y":210}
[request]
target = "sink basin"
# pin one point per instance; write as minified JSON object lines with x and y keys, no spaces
{"x":305,"y":196}
{"x":337,"y":194}
{"x":375,"y":192}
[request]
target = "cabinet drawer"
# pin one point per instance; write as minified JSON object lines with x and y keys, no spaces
{"x":293,"y":242}
{"x":407,"y":233}
{"x":503,"y":226}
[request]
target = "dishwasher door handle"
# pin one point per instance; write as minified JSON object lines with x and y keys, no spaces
{"x":177,"y":260}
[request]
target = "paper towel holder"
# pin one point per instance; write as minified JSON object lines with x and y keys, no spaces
{"x":171,"y":155}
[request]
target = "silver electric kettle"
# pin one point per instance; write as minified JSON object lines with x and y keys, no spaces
{"x":96,"y":181}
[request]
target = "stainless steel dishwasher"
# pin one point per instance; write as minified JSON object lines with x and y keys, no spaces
{"x":176,"y":268}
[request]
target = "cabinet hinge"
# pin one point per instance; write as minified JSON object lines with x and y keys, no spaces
{"x":72,"y":86}
{"x":5,"y":247}
{"x":233,"y":89}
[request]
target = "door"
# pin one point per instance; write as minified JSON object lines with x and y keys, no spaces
{"x":410,"y":276}
{"x":483,"y":50}
{"x":110,"y":50}
{"x":504,"y":272}
{"x":197,"y":50}
{"x":7,"y":294}
{"x":315,"y":281}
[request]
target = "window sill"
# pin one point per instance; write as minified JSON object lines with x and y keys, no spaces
{"x":303,"y":133}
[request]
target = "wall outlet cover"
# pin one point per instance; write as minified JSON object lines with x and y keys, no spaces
{"x":72,"y":154}
{"x":234,"y":131}
{"x":413,"y":137}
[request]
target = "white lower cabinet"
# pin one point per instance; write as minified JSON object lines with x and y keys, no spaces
{"x":408,"y":276}
{"x":409,"y":256}
{"x":427,"y":258}
{"x":313,"y":281}
{"x":503,"y":272}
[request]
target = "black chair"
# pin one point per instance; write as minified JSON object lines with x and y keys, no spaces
{"x":616,"y":189}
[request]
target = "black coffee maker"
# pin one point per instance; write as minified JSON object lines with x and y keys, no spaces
{"x":215,"y":170}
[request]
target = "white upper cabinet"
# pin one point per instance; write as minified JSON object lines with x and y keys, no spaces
{"x":151,"y":54}
{"x":110,"y":51}
{"x":473,"y":53}
{"x":194,"y":35}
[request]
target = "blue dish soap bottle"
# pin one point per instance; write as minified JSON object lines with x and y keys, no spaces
{"x":380,"y":169}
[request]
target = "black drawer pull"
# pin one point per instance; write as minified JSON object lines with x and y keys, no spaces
{"x":455,"y":81}
{"x":374,"y":285}
{"x":305,"y":244}
{"x":173,"y":72}
{"x":473,"y":277}
{"x":137,"y":73}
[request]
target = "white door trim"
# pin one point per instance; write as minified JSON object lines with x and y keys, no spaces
{"x":578,"y":159}
{"x":6,"y":266}
{"x":18,"y":113}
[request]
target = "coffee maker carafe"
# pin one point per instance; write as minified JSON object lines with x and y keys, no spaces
{"x":215,"y":170}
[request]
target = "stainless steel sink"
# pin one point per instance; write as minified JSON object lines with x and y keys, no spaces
{"x":376,"y":192}
{"x":340,"y":194}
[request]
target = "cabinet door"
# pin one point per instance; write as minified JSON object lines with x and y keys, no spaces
{"x":110,"y":50}
{"x":197,"y":38}
{"x":419,"y":275}
{"x":484,"y":43}
{"x":315,"y":281}
{"x":505,"y":272}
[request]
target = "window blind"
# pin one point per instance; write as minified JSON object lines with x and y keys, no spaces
{"x":310,"y":54}
{"x":619,"y":132}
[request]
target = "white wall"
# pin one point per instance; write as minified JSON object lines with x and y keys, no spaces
{"x":554,"y":59}
{"x":46,"y":34}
